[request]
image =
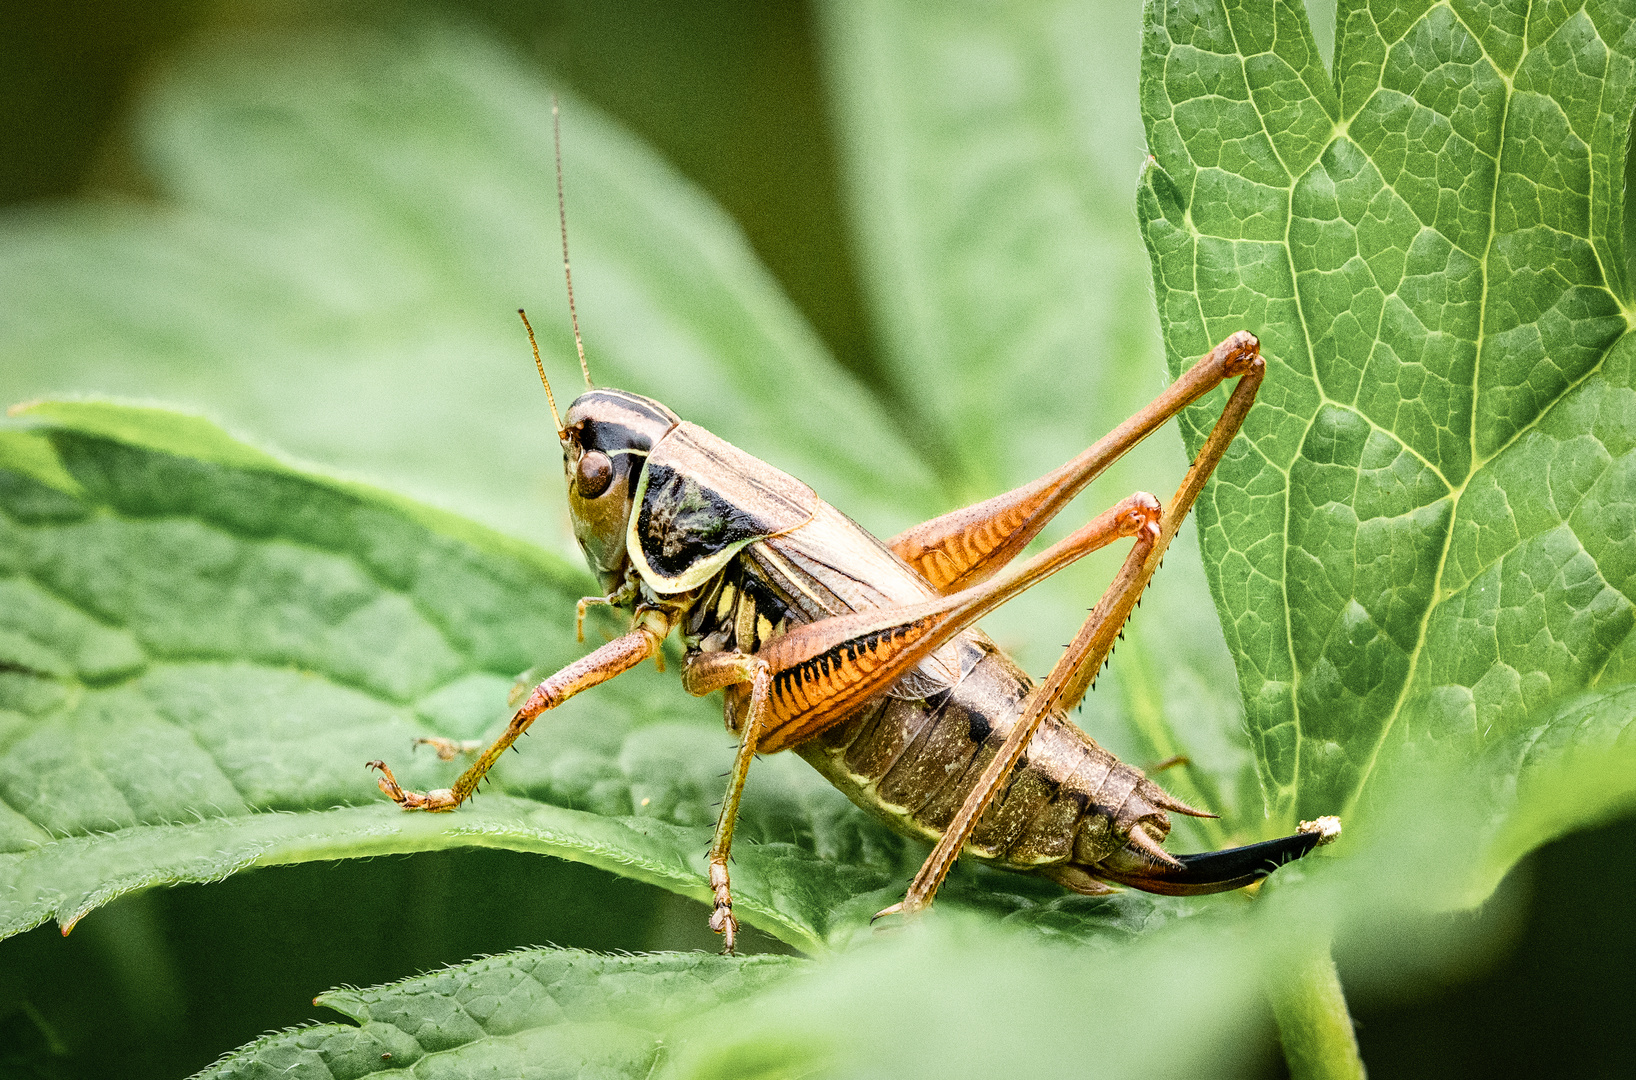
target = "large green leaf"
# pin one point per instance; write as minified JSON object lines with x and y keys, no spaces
{"x":1424,"y":535}
{"x":958,"y":996}
{"x":201,"y":646}
{"x":885,"y":1011}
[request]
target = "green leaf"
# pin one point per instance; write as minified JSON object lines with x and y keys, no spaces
{"x":906,"y":1007}
{"x":1572,"y":771}
{"x":959,"y":999}
{"x":542,"y":1012}
{"x":348,"y":223}
{"x":1422,"y":537}
{"x":957,"y":996}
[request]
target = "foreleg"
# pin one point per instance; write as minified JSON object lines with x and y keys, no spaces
{"x":617,"y":656}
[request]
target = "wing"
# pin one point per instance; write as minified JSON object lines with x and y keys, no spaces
{"x":833,"y":566}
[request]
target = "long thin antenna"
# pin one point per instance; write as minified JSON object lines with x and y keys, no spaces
{"x":562,"y":217}
{"x":549,"y":396}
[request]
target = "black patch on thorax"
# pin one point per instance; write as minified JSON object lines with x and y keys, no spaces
{"x":681,"y":521}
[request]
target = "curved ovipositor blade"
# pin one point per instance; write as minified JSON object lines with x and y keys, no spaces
{"x":1233,"y":868}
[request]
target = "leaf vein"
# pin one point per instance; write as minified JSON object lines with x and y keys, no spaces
{"x":1473,"y":467}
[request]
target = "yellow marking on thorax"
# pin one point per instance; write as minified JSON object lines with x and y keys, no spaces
{"x":744,"y":626}
{"x":789,"y":572}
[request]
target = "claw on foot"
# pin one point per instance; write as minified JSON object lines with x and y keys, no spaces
{"x":440,"y":799}
{"x":895,"y":909}
{"x":721,"y":918}
{"x":723,"y":923}
{"x":907,"y":907}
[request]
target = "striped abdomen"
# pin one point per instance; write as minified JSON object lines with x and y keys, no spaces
{"x":1068,"y":806}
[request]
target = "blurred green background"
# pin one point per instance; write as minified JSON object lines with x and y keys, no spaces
{"x":731,"y":92}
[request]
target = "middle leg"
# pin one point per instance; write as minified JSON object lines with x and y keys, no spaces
{"x":713,"y":671}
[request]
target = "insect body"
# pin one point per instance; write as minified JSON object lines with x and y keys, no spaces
{"x":861,"y":654}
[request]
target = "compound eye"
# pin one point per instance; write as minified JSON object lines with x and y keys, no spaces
{"x":595,"y":471}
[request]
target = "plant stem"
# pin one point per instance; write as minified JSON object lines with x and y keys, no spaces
{"x":1313,"y":1022}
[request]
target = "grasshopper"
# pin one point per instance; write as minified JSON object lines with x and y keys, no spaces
{"x":861,"y":655}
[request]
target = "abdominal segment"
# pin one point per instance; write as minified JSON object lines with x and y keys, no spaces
{"x":912,"y":763}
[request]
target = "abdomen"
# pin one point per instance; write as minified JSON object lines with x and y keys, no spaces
{"x":912,"y":763}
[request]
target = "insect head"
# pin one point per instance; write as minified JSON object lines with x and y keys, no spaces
{"x":606,"y":438}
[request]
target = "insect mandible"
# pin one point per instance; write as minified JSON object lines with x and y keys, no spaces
{"x":861,"y":655}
